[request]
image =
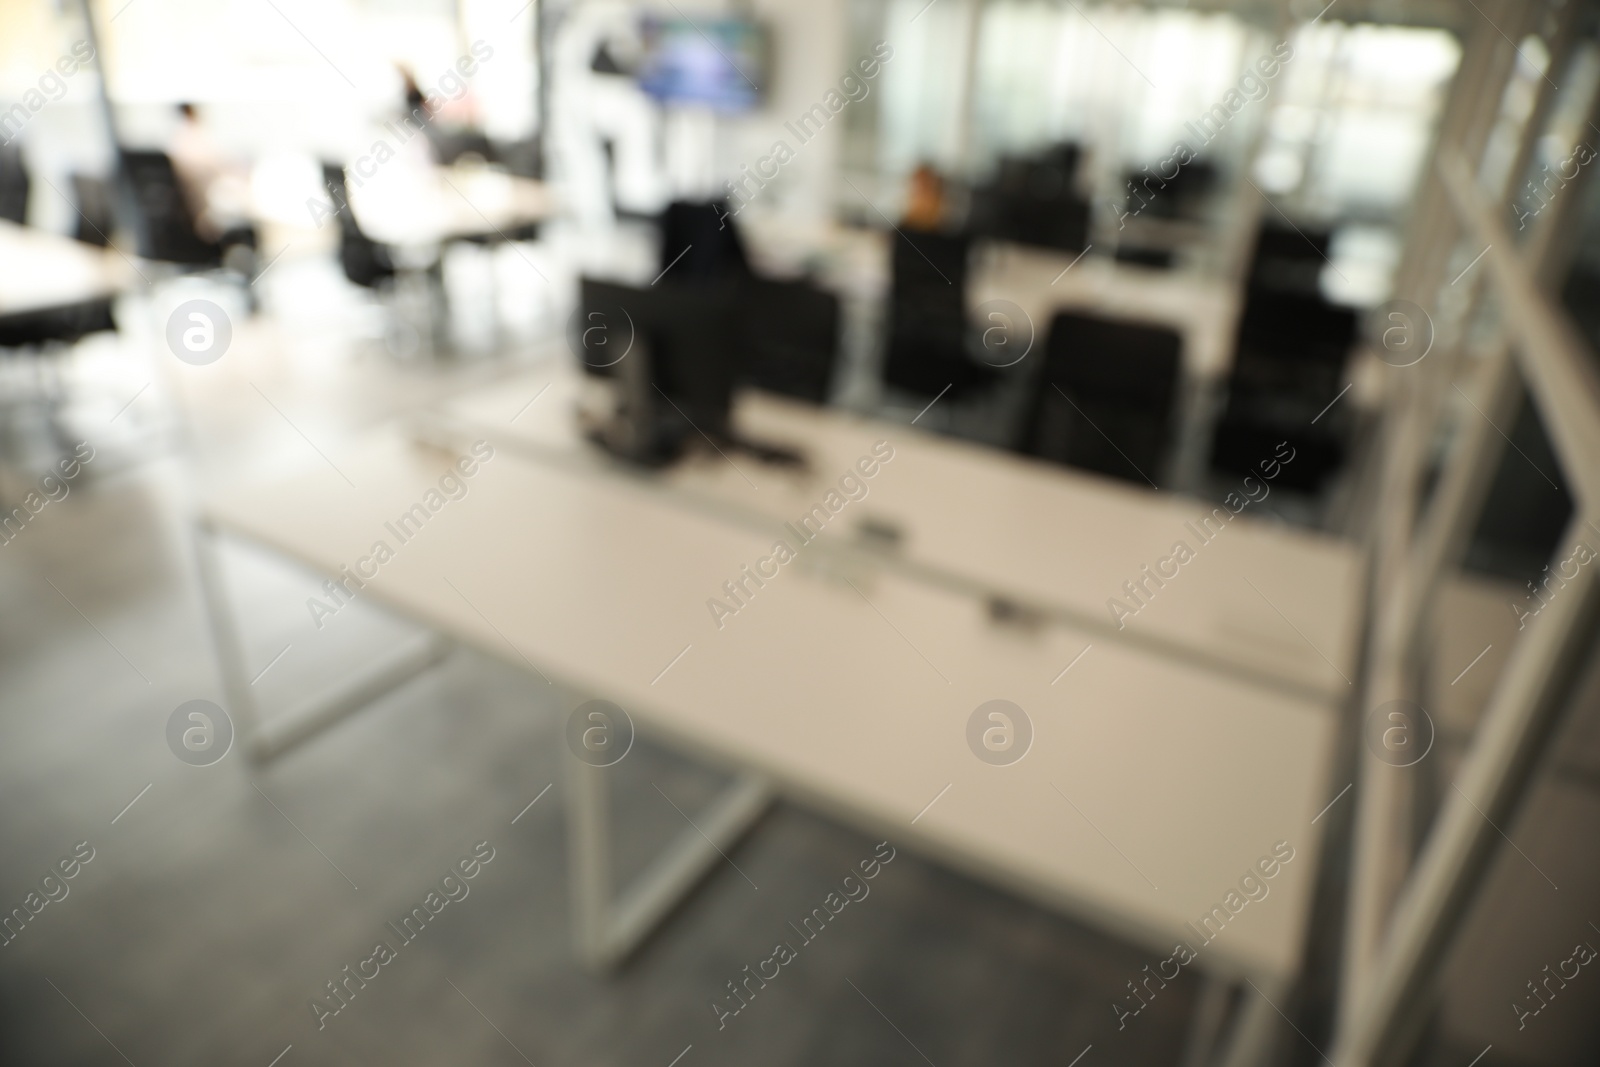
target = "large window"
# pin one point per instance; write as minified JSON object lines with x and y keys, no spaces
{"x":1343,"y":128}
{"x":1356,"y":117}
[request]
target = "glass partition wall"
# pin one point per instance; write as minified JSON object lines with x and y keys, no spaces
{"x":1332,"y":120}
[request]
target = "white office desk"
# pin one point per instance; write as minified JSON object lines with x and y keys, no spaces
{"x":41,"y":270}
{"x":428,"y":208}
{"x":983,"y":521}
{"x":851,"y":698}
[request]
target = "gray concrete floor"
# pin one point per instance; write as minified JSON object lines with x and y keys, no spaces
{"x":222,"y":900}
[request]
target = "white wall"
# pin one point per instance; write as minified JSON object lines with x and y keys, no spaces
{"x":808,"y":58}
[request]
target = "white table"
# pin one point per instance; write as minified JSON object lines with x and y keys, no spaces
{"x":40,"y":270}
{"x":431,"y":207}
{"x":51,"y":287}
{"x":1151,"y":785}
{"x":1270,"y":603}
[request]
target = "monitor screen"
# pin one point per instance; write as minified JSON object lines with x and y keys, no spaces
{"x":717,"y":62}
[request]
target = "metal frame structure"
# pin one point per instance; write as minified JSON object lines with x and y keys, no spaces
{"x":263,"y":740}
{"x":610,"y":922}
{"x":607,"y":925}
{"x":1403,"y":918}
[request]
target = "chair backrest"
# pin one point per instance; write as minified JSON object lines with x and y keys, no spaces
{"x":449,"y":145}
{"x":1292,"y":342}
{"x":699,"y":243}
{"x":927,"y":315}
{"x":1180,"y":196}
{"x":1289,"y":258}
{"x":1106,"y":396}
{"x":56,"y":325}
{"x":333,"y":179}
{"x":1034,"y":201}
{"x":14,"y":184}
{"x":365,"y":262}
{"x":1288,"y":365}
{"x":164,"y":228}
{"x":790,"y":337}
{"x":1141,"y":256}
{"x":96,"y":217}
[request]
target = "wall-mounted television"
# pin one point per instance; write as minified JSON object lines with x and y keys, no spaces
{"x":720,"y":63}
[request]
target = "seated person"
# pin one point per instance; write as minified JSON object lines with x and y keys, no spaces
{"x":927,"y":205}
{"x":216,"y":190}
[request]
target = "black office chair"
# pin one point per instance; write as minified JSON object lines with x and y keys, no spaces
{"x":1034,"y":201}
{"x":699,"y":243}
{"x":366,"y":262}
{"x":14,"y":184}
{"x":1181,"y":196}
{"x":522,"y":157}
{"x":928,"y":334}
{"x":96,"y":216}
{"x":1293,"y":342}
{"x":1288,"y":364}
{"x":1141,"y":256}
{"x":1286,"y":258}
{"x":1106,"y":397}
{"x":164,"y":230}
{"x":450,"y":144}
{"x":64,"y":324}
{"x":1063,"y":156}
{"x":791,"y":338}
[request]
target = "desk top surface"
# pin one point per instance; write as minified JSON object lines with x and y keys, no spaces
{"x":40,"y":270}
{"x":427,"y":207}
{"x":1150,"y":787}
{"x":1266,"y":599}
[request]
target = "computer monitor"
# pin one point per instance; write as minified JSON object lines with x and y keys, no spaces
{"x":673,"y":355}
{"x":717,"y":62}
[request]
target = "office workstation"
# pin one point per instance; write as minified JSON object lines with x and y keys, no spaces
{"x":974,"y":532}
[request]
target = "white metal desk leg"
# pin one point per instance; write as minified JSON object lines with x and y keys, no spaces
{"x":225,"y":639}
{"x":589,"y":859}
{"x":608,"y":925}
{"x":1255,"y":1025}
{"x":1210,"y":1014}
{"x":260,"y":739}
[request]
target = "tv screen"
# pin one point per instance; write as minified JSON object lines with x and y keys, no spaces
{"x":717,"y":62}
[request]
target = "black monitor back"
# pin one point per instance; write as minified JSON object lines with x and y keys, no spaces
{"x":686,"y":336}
